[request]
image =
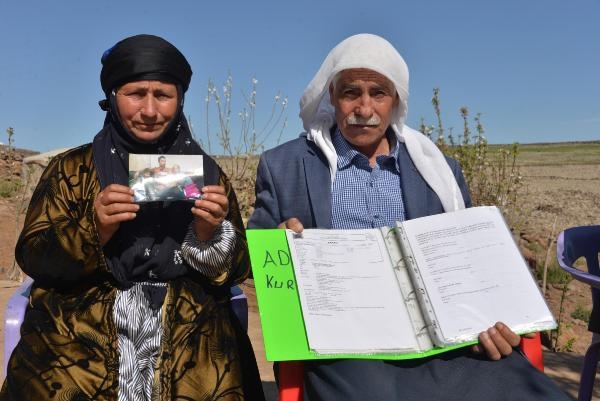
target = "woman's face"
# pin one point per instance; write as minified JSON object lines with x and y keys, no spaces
{"x":147,"y":107}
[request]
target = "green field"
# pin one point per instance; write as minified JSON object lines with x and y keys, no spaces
{"x":545,"y":154}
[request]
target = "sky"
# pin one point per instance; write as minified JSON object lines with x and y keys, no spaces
{"x":531,"y":68}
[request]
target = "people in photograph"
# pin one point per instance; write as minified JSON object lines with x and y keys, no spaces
{"x":139,"y":184}
{"x":359,"y":166}
{"x":171,"y":184}
{"x":132,"y":301}
{"x":161,"y":169}
{"x":185,"y":184}
{"x":160,"y":182}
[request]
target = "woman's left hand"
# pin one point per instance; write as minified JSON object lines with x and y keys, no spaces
{"x":210,"y":211}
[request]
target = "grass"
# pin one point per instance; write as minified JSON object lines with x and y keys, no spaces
{"x":556,"y":275}
{"x":568,"y":347}
{"x":552,"y":154}
{"x":9,"y":188}
{"x":581,"y":313}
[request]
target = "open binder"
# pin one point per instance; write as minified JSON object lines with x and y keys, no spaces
{"x":426,"y":286}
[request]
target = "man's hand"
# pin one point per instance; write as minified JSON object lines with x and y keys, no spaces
{"x":210,"y":211}
{"x":498,"y":341}
{"x":112,"y":206}
{"x":292,"y":224}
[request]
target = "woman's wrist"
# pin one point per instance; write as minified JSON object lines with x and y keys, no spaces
{"x":203,"y":232}
{"x":213,"y":256}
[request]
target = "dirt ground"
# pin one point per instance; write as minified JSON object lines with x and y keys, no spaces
{"x":8,"y":234}
{"x":567,"y":194}
{"x":570,"y":196}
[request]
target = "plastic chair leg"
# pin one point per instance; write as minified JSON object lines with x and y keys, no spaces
{"x":291,"y":381}
{"x":588,"y":372}
{"x":532,"y":348}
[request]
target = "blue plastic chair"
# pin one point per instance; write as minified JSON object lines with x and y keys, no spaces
{"x":15,"y":311}
{"x":572,"y":244}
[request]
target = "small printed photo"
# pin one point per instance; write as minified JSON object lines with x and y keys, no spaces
{"x":165,"y":177}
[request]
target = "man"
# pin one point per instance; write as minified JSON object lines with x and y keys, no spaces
{"x":157,"y":188}
{"x":359,"y":166}
{"x":162,"y":169}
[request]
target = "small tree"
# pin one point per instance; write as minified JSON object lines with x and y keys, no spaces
{"x":10,"y":131}
{"x":493,"y":177}
{"x":238,"y":154}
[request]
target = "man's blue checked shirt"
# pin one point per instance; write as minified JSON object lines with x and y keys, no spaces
{"x":365,"y":197}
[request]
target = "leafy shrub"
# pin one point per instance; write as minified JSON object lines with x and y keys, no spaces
{"x":555,"y":275}
{"x":493,"y":177}
{"x":581,"y":313}
{"x":9,"y":188}
{"x":568,"y":347}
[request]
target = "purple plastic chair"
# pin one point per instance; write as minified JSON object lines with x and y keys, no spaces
{"x":572,"y":244}
{"x":15,"y":311}
{"x":13,"y":317}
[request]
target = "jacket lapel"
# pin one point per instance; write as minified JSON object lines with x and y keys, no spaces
{"x":318,"y":182}
{"x":415,"y":192}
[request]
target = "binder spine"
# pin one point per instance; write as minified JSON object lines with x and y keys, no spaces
{"x":430,"y":323}
{"x":406,"y":288}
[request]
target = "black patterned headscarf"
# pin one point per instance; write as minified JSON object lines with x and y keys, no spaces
{"x":147,"y":248}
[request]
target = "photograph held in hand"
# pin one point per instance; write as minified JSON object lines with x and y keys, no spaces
{"x":165,"y":177}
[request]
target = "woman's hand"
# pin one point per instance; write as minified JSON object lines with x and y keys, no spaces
{"x":210,"y":211}
{"x":113,"y":205}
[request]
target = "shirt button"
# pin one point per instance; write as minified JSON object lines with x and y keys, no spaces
{"x":376,"y":216}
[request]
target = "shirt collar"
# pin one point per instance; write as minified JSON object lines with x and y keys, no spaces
{"x":346,"y":153}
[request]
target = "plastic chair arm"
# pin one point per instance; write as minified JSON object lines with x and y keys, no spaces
{"x":582,"y":276}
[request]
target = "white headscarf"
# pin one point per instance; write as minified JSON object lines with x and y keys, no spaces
{"x":377,"y":54}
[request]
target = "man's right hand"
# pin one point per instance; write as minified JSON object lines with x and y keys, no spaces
{"x":113,"y":205}
{"x":292,"y":224}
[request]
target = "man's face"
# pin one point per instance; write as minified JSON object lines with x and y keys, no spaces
{"x":162,"y":162}
{"x":363,"y":101}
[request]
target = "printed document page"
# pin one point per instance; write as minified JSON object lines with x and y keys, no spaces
{"x":474,"y":274}
{"x":350,"y":299}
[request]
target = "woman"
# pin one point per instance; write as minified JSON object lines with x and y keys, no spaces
{"x":130,"y":301}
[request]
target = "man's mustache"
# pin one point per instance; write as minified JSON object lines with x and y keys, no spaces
{"x":353,"y":119}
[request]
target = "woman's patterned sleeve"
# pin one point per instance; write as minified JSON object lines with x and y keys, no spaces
{"x":59,"y":242}
{"x":213,"y":257}
{"x":224,"y":259}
